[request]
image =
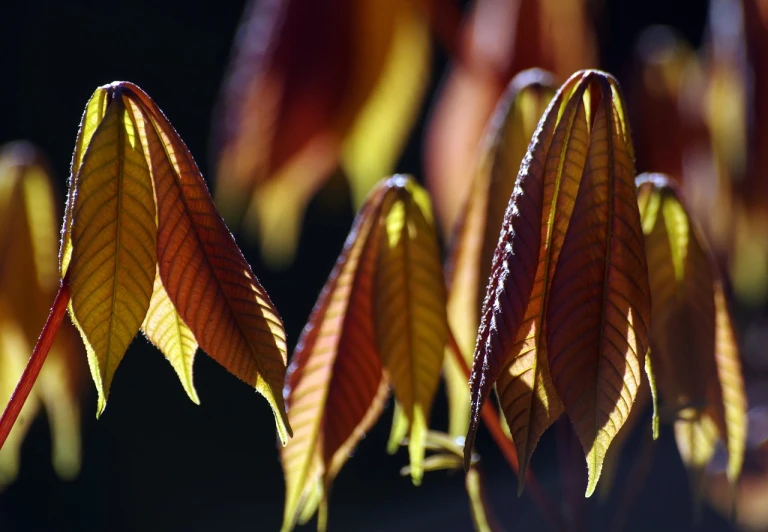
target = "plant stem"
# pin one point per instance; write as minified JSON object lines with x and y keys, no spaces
{"x":491,"y":418}
{"x":36,"y":361}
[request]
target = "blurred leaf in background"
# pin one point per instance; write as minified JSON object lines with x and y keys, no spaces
{"x":497,"y":40}
{"x":315,"y":84}
{"x":28,"y":283}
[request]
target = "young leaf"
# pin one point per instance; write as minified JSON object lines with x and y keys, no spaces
{"x":599,"y":308}
{"x":168,"y":332}
{"x":513,"y":354}
{"x":696,"y":356}
{"x":94,"y":113}
{"x":113,"y":243}
{"x":731,"y":386}
{"x":143,"y":246}
{"x":335,"y":369}
{"x":469,"y":265}
{"x":203,"y":271}
{"x":409,"y":310}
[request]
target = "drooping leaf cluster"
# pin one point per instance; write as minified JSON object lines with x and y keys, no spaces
{"x":143,"y":248}
{"x":380,"y":321}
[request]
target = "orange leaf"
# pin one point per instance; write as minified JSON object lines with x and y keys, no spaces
{"x":203,"y":271}
{"x":335,"y":387}
{"x":599,"y":307}
{"x":536,"y":219}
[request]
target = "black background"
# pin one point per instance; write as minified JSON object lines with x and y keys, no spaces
{"x":155,"y":461}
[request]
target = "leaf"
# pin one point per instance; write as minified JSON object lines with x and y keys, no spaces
{"x":12,"y":346}
{"x":524,"y":386}
{"x":696,"y":355}
{"x":409,"y":310}
{"x":734,"y":398}
{"x":331,"y":82}
{"x":335,"y":369}
{"x":203,"y":271}
{"x":380,"y":130}
{"x":599,"y":307}
{"x":638,"y":416}
{"x":94,"y":113}
{"x":113,"y":243}
{"x":469,"y":264}
{"x":517,"y":288}
{"x":168,"y":332}
{"x":28,"y":281}
{"x":498,"y":41}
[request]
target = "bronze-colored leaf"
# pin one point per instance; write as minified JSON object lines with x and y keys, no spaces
{"x":599,"y":308}
{"x":497,"y":41}
{"x":314,"y":85}
{"x":205,"y":275}
{"x":477,"y":233}
{"x":336,"y":369}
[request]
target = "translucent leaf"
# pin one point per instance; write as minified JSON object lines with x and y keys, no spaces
{"x":409,"y":311}
{"x":113,"y":243}
{"x":477,"y":232}
{"x":599,"y":308}
{"x":168,"y":332}
{"x":335,"y":369}
{"x":696,"y":356}
{"x":203,"y":271}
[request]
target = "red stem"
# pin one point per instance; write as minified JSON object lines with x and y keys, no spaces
{"x":35,"y":363}
{"x":491,"y":418}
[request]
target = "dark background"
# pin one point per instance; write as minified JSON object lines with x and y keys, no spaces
{"x":155,"y":461}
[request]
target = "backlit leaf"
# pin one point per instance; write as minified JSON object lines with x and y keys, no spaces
{"x":599,"y":309}
{"x":696,"y":356}
{"x":732,"y":386}
{"x":510,"y":348}
{"x":168,"y":332}
{"x":335,"y":387}
{"x":203,"y":271}
{"x":13,"y":346}
{"x":113,"y":243}
{"x":409,"y":311}
{"x":477,"y":233}
{"x":94,"y":113}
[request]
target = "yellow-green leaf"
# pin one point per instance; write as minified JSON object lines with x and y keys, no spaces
{"x":734,"y":399}
{"x":94,"y":113}
{"x":409,"y":312}
{"x":168,"y":332}
{"x":696,"y":357}
{"x":113,"y":231}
